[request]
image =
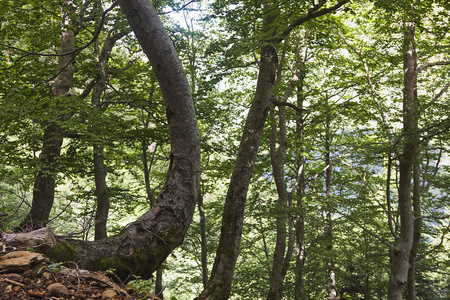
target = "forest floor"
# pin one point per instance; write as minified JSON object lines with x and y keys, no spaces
{"x":27,"y":275}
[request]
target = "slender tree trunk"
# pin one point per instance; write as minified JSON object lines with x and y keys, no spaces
{"x":101,"y":188}
{"x":282,"y":256}
{"x":144,"y":244}
{"x":45,"y":181}
{"x":204,"y":250}
{"x":159,"y":289}
{"x":300,"y":256}
{"x":400,"y":252}
{"x":277,"y":160}
{"x":101,"y":191}
{"x":332,"y":293}
{"x":417,"y":233}
{"x":44,"y":185}
{"x":219,"y":285}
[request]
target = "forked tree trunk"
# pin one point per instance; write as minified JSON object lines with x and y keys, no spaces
{"x":45,"y":181}
{"x":144,"y":244}
{"x":400,"y":252}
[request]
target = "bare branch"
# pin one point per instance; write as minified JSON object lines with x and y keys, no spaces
{"x":312,"y":14}
{"x":432,"y":64}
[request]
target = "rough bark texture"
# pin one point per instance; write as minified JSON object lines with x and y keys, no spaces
{"x":44,"y":185}
{"x":144,"y":244}
{"x":400,"y":252}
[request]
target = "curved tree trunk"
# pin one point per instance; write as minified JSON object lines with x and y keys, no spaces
{"x":144,"y":244}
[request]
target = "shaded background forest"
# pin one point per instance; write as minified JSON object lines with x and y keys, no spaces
{"x":325,"y":189}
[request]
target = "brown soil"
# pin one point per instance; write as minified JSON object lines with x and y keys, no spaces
{"x":37,"y":281}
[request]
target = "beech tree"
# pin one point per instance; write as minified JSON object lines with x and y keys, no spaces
{"x":44,"y":186}
{"x":145,"y":243}
{"x":336,"y":186}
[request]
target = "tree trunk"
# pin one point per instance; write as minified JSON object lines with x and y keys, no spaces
{"x":45,"y":181}
{"x":219,"y":285}
{"x":300,"y":257}
{"x":204,"y":250}
{"x":44,"y":185}
{"x":144,"y":244}
{"x":400,"y":252}
{"x":277,"y":160}
{"x":101,"y":188}
{"x":101,"y":192}
{"x":332,"y":294}
{"x":159,"y":289}
{"x":417,"y":232}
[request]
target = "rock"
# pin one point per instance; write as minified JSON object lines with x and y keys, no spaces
{"x":20,"y":260}
{"x":42,"y":239}
{"x":73,"y":272}
{"x":57,"y":289}
{"x":109,"y":294}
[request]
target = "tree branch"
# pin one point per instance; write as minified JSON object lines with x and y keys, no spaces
{"x":432,"y":64}
{"x":96,"y":34}
{"x":312,"y":14}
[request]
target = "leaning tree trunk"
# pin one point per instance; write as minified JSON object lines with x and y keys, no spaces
{"x":219,"y":285}
{"x":144,"y":244}
{"x":45,"y":181}
{"x":400,"y":252}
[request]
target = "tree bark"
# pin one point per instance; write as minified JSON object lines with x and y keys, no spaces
{"x":332,"y":293}
{"x":204,"y":249}
{"x":300,"y":257}
{"x":417,"y":232}
{"x":159,"y":289}
{"x":277,"y":160}
{"x":144,"y":244}
{"x":101,"y":188}
{"x":219,"y":285}
{"x":400,"y":251}
{"x":45,"y":181}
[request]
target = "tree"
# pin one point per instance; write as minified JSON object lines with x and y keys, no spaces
{"x":219,"y":285}
{"x":44,"y":186}
{"x":145,"y":243}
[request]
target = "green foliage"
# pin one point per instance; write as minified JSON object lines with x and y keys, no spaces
{"x":351,"y":79}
